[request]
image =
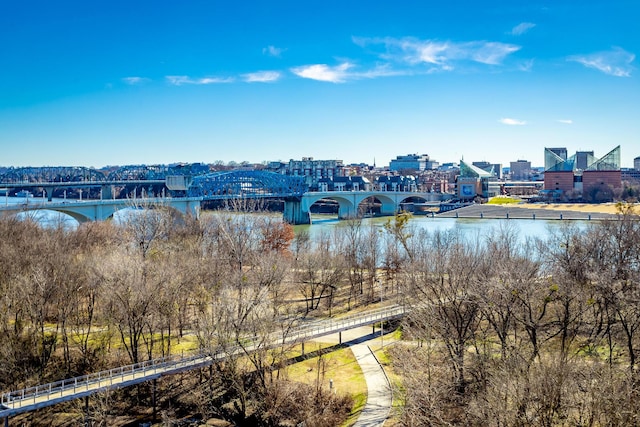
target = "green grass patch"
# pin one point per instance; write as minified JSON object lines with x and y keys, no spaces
{"x":503,"y":200}
{"x":339,"y":367}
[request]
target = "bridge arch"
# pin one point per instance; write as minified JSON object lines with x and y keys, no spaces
{"x":104,"y":209}
{"x":347,"y":206}
{"x":349,"y":201}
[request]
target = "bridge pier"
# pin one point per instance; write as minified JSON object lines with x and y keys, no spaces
{"x":389,"y":209}
{"x":153,"y":401}
{"x":346,"y":211}
{"x":86,"y":411}
{"x":294,"y":213}
{"x":106,"y":192}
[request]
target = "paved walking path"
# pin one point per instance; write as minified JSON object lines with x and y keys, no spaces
{"x":379,"y":397}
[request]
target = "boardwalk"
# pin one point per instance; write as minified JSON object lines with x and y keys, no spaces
{"x":41,"y":396}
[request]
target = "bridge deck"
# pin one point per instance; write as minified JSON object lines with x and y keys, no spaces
{"x":41,"y":396}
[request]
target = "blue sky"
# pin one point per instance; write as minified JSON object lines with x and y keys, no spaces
{"x":95,"y":83}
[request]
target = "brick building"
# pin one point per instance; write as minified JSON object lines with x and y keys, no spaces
{"x":582,"y":173}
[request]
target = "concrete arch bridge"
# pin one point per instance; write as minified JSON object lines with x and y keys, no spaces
{"x":101,"y":210}
{"x":190,"y":191}
{"x":349,"y":203}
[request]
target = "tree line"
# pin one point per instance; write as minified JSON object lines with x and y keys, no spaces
{"x":502,"y":331}
{"x":509,"y":332}
{"x":106,"y":294}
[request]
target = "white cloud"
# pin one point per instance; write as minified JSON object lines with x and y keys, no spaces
{"x":442,"y":54}
{"x":323,"y":72}
{"x":565,"y":121}
{"x":272,"y":51}
{"x":512,"y":122}
{"x":345,"y":72}
{"x":186,"y":80}
{"x":522,"y":28}
{"x":526,"y":65}
{"x":261,"y":77}
{"x":492,"y":53}
{"x":616,"y":62}
{"x":135,"y":80}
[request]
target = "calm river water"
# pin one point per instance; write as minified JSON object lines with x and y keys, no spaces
{"x":326,"y":223}
{"x":471,"y":227}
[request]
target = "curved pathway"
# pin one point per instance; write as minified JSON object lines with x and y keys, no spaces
{"x":379,"y":394}
{"x":379,"y":397}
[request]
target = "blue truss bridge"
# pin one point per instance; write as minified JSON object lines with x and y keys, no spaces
{"x":185,"y":192}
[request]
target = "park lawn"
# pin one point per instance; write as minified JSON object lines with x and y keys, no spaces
{"x":502,"y":200}
{"x":339,"y":366}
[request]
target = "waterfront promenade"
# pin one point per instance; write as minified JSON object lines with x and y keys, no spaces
{"x":534,"y":211}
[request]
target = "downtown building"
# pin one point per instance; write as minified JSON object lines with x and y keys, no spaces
{"x":413,"y":163}
{"x":314,"y":171}
{"x":581,"y":175}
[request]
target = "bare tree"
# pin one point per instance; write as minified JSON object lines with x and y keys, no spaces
{"x":444,"y":292}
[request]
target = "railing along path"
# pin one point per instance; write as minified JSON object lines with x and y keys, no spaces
{"x":29,"y":399}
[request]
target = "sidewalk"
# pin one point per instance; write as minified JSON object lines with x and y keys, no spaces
{"x":379,"y":397}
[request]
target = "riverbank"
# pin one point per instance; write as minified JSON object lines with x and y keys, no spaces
{"x":535,"y":211}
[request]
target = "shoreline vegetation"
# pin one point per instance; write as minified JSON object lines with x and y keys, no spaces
{"x":541,"y":332}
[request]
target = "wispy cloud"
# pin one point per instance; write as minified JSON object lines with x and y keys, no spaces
{"x":565,"y":121}
{"x":442,"y":55}
{"x":346,"y":71}
{"x":262,"y":77}
{"x":324,"y":72}
{"x":273,"y":51}
{"x":512,"y":122}
{"x":186,"y":80}
{"x":615,"y":62}
{"x":522,"y":28}
{"x":135,"y":80}
{"x":526,"y":65}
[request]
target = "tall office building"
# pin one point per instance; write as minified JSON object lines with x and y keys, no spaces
{"x":520,"y":170}
{"x":414,"y":162}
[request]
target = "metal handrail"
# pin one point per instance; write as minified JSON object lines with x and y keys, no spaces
{"x":165,"y":364}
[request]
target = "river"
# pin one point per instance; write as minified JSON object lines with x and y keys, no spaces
{"x":327,"y":223}
{"x":472,"y":227}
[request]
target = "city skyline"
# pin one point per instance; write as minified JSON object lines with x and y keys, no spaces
{"x":115,"y":83}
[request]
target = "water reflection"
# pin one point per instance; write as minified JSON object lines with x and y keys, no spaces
{"x":526,"y":228}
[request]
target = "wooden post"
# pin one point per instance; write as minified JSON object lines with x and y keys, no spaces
{"x":339,"y":337}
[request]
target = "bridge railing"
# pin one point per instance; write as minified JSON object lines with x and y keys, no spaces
{"x":100,"y":379}
{"x":336,"y":325}
{"x":166,"y":364}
